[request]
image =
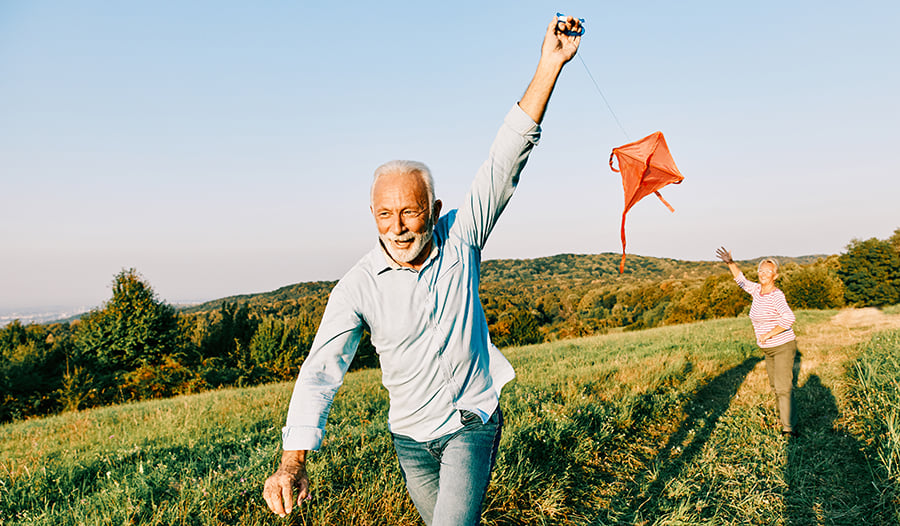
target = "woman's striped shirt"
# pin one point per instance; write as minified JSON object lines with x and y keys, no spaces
{"x":768,"y":311}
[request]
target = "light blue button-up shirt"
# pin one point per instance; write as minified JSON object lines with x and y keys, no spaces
{"x":428,"y":326}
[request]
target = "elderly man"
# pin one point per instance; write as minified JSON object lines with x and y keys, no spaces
{"x":417,"y":292}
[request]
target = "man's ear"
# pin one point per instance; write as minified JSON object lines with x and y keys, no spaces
{"x":437,"y":210}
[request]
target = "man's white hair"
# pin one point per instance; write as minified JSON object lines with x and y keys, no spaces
{"x":405,"y":167}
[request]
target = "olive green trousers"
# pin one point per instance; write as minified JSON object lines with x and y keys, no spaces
{"x":783,"y":371}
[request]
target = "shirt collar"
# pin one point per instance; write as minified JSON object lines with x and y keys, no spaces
{"x":390,"y":264}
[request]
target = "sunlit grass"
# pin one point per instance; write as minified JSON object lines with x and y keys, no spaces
{"x":874,"y":403}
{"x":673,"y":425}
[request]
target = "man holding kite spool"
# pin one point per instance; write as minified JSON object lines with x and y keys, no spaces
{"x":417,"y":292}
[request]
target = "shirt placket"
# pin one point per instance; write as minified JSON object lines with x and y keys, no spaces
{"x":441,"y":352}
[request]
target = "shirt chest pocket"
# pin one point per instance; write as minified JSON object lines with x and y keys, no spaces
{"x":450,"y":272}
{"x":450,"y":288}
{"x":400,"y":313}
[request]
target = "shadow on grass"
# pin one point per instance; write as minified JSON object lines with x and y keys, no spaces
{"x":701,"y":415}
{"x":828,"y":479}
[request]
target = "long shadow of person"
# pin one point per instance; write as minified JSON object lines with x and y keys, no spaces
{"x":702,"y":414}
{"x":828,"y":481}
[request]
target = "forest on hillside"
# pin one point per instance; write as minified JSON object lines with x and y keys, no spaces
{"x":136,"y":346}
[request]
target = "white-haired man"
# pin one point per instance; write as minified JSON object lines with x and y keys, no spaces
{"x":417,"y":292}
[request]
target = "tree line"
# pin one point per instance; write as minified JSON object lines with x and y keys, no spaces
{"x":136,"y":346}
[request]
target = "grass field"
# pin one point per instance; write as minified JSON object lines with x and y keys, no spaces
{"x":674,"y":425}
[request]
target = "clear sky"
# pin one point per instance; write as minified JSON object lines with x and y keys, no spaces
{"x":224,"y":147}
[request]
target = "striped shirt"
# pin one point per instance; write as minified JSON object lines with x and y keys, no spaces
{"x":768,"y":311}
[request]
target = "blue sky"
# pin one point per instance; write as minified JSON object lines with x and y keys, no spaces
{"x":227,"y":147}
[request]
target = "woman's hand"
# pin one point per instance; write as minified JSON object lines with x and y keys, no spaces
{"x":723,"y":254}
{"x":771,"y":334}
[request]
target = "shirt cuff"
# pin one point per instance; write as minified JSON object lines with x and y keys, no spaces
{"x":301,"y":438}
{"x":522,"y":124}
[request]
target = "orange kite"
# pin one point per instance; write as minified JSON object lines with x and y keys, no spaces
{"x":646,"y":166}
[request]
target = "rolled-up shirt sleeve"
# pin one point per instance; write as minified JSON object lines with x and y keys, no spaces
{"x":497,"y":177}
{"x":322,"y":374}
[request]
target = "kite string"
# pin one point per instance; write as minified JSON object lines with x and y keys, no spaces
{"x":583,"y":63}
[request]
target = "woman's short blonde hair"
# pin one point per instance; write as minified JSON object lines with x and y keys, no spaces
{"x":773,"y":261}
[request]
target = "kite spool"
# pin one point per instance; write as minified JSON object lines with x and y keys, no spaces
{"x":563,"y":18}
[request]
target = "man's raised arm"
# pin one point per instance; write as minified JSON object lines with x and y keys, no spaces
{"x":557,"y":49}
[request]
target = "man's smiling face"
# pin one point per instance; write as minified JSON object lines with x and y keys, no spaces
{"x":404,"y":217}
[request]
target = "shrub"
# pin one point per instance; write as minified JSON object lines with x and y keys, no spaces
{"x":870,"y":271}
{"x":812,"y":287}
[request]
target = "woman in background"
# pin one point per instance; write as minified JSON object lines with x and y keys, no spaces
{"x":772,"y":320}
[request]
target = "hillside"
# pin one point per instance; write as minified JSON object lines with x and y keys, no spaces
{"x":136,"y":346}
{"x":673,"y":425}
{"x":551,"y":298}
{"x":568,"y":269}
{"x":298,"y":292}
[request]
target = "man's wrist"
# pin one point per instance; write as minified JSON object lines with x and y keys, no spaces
{"x":293,"y":459}
{"x":551,"y":65}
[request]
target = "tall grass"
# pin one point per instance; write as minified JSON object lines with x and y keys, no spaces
{"x":672,"y":425}
{"x":874,"y":400}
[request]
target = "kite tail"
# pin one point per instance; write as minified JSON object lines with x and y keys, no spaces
{"x":663,"y":202}
{"x":622,"y":263}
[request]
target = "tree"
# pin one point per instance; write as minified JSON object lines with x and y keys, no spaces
{"x":812,"y":287}
{"x":32,"y":362}
{"x":870,"y":271}
{"x":894,"y":240}
{"x":268,"y":342}
{"x":133,"y":328}
{"x":519,"y":327}
{"x":229,"y":333}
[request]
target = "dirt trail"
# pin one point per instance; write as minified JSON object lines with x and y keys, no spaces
{"x":847,"y":328}
{"x":867,"y":317}
{"x":825,"y":347}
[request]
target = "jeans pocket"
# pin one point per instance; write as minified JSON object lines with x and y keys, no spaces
{"x":468,"y":417}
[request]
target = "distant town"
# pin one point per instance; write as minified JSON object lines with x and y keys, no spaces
{"x":51,"y":314}
{"x":44,"y":316}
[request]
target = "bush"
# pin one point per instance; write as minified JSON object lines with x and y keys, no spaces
{"x":870,"y":271}
{"x":812,"y":287}
{"x":519,"y":327}
{"x":134,"y":328}
{"x":156,"y":381}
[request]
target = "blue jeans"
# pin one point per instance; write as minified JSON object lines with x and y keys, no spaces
{"x":447,"y":478}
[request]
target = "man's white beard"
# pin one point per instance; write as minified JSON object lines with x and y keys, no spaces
{"x":420,"y":241}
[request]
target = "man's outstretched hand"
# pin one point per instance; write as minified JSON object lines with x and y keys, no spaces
{"x":279,"y":488}
{"x":557,"y":43}
{"x":557,"y":49}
